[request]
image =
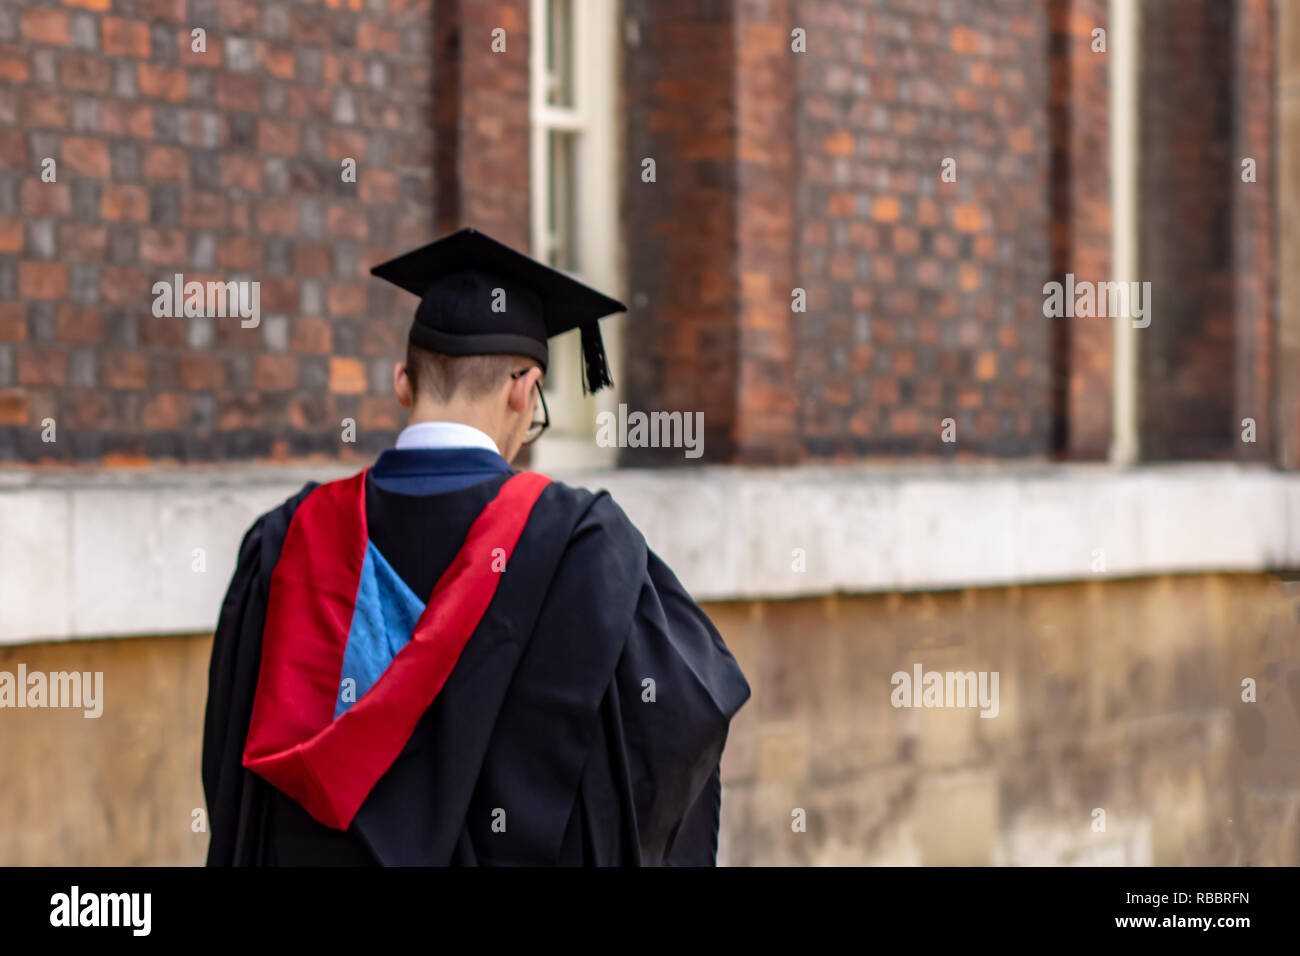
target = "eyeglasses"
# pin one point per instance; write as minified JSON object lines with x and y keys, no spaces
{"x":536,"y":428}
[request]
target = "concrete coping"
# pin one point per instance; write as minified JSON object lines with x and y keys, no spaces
{"x":138,"y":552}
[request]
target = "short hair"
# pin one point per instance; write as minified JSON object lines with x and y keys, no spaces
{"x":444,"y":376}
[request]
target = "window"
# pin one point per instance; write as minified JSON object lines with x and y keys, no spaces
{"x":575,"y":227}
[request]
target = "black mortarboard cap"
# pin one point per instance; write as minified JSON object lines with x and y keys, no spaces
{"x":480,"y":297}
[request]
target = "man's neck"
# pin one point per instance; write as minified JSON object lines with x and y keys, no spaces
{"x":442,"y":433}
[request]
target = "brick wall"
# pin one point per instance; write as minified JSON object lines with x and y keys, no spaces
{"x":768,"y":156}
{"x":226,"y":165}
{"x":1206,"y":241}
{"x":1258,"y":360}
{"x":482,"y":118}
{"x":924,"y":296}
{"x":1081,"y":225}
{"x":679,"y":110}
{"x":775,"y":171}
{"x":1286,"y":150}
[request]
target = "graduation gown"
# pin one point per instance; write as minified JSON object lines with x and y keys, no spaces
{"x":552,"y":697}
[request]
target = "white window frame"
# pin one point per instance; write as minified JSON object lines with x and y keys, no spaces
{"x":593,"y":118}
{"x":1124,"y":45}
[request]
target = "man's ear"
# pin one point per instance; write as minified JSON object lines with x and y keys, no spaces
{"x":402,"y":385}
{"x":521,"y":390}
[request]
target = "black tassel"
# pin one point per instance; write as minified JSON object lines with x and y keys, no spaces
{"x":595,"y":364}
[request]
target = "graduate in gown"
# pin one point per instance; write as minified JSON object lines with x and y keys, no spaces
{"x":445,"y":661}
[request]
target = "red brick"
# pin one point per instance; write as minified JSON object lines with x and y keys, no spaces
{"x":122,"y":459}
{"x":79,"y":323}
{"x":13,"y":149}
{"x":965,"y":40}
{"x":240,"y":16}
{"x":379,"y":186}
{"x":87,"y":157}
{"x":125,"y":37}
{"x":842,"y":264}
{"x":346,"y":298}
{"x":41,"y":110}
{"x":311,"y":335}
{"x":126,"y":118}
{"x":381,"y":338}
{"x":347,"y":376}
{"x":42,"y":280}
{"x":1022,"y":140}
{"x":127,"y":370}
{"x":44,"y":199}
{"x":122,"y":286}
{"x":167,"y":164}
{"x":278,"y":61}
{"x":884,"y":390}
{"x":278,"y":217}
{"x":277,"y":138}
{"x":237,"y":91}
{"x":166,"y":330}
{"x":173,"y":10}
{"x":238,"y":252}
{"x":163,"y":247}
{"x":905,"y":241}
{"x":373,"y":36}
{"x":203,"y":210}
{"x":202,"y":372}
{"x":124,"y":203}
{"x":45,"y":26}
{"x":966,"y":218}
{"x":13,"y":69}
{"x":14,"y":407}
{"x":885,"y":209}
{"x":240,"y":217}
{"x":41,"y":365}
{"x":86,"y":408}
{"x":378,"y":413}
{"x":241,"y":172}
{"x":211,"y":56}
{"x":238,"y":412}
{"x":165,"y":411}
{"x":840,"y":143}
{"x":313,"y":259}
{"x":345,"y":144}
{"x":345,"y":222}
{"x":13,"y":322}
{"x":11,"y":235}
{"x":279,"y":294}
{"x":161,"y":82}
{"x":276,"y":373}
{"x":90,"y":74}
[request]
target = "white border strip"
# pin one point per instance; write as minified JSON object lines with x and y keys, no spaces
{"x":114,"y":554}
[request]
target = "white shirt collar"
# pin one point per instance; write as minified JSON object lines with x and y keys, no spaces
{"x":444,"y":435}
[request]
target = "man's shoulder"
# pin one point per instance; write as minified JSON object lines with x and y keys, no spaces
{"x":592,"y":511}
{"x":268,"y":531}
{"x":285,"y":510}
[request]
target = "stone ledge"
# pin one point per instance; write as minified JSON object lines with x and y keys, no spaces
{"x":111,"y":553}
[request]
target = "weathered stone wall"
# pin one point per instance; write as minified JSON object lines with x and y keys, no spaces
{"x":1118,"y":695}
{"x":1123,"y":696}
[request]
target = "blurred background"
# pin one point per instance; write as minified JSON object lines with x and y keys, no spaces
{"x":834,"y":222}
